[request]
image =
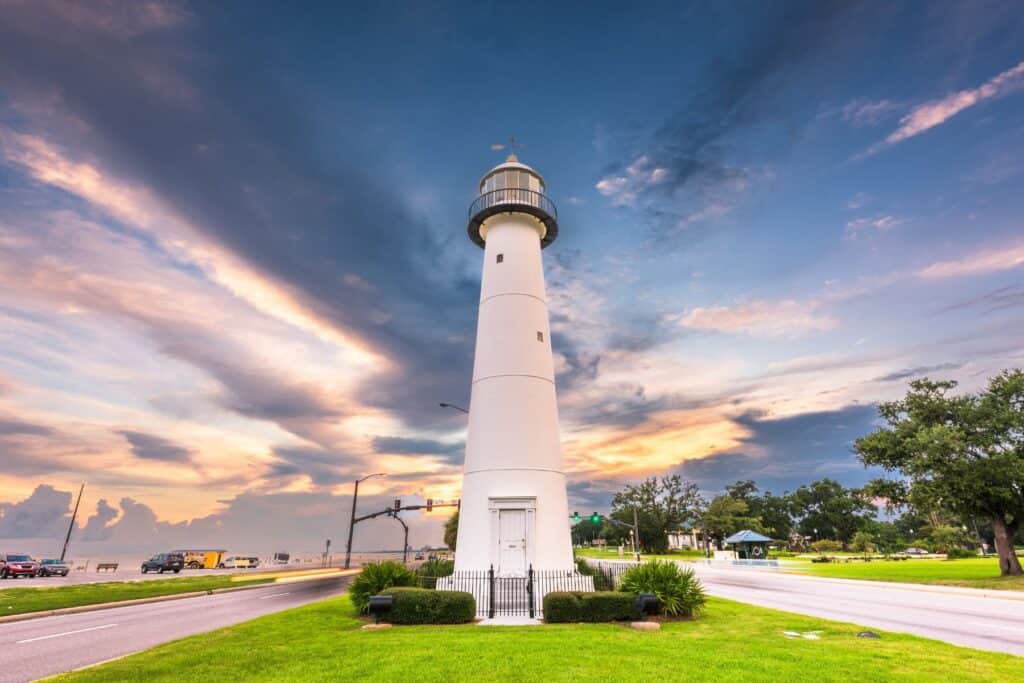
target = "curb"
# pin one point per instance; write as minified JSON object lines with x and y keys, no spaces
{"x":141,"y":601}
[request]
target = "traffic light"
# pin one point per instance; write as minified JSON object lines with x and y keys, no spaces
{"x":575,"y":517}
{"x":398,"y":504}
{"x":595,"y":518}
{"x":430,"y":504}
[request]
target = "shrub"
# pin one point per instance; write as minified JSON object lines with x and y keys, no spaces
{"x":959,"y":554}
{"x":377,"y":577}
{"x":431,"y":570}
{"x":679,"y":590}
{"x":602,"y":581}
{"x":597,"y":607}
{"x":424,"y":606}
{"x":562,"y":608}
{"x":826,"y":545}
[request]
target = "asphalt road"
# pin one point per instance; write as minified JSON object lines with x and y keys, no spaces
{"x":955,"y":616}
{"x":50,"y":645}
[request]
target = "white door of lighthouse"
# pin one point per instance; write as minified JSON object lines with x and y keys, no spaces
{"x":512,"y":542}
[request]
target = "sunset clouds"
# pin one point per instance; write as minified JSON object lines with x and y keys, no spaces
{"x":234,"y":275}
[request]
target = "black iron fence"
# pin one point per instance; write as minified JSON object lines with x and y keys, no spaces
{"x":516,"y":596}
{"x":607,"y":575}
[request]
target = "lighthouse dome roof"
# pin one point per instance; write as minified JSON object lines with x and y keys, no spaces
{"x":511,"y":163}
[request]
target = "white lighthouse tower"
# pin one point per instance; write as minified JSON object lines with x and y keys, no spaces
{"x":514,"y":512}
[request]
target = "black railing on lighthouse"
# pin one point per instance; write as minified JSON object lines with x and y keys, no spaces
{"x":513,"y":195}
{"x":511,"y":200}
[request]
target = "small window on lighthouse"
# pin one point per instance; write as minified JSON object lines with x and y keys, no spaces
{"x":501,"y":258}
{"x":540,"y":336}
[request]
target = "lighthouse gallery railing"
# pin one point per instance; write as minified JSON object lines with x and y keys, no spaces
{"x":513,"y":197}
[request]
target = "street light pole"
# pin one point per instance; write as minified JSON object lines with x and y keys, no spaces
{"x":352,"y":518}
{"x":636,"y":531}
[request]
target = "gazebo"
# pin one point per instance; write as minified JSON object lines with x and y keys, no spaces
{"x":749,"y":545}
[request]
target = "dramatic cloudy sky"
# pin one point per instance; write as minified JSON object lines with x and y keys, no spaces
{"x":234,"y":273}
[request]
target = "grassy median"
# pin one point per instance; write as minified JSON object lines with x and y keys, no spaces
{"x":970,"y":573}
{"x":24,"y":600}
{"x":733,"y":642}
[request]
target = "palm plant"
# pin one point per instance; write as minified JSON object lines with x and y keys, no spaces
{"x":679,"y":591}
{"x":376,"y":577}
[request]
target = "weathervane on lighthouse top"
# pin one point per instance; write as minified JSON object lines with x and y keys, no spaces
{"x":511,"y":146}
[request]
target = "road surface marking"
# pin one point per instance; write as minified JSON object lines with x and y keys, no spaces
{"x":66,"y":633}
{"x":275,"y":595}
{"x":1005,"y":628}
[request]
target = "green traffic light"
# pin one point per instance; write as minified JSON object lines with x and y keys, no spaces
{"x":575,"y":516}
{"x":595,"y":518}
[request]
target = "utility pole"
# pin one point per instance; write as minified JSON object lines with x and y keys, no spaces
{"x":405,"y":541}
{"x":74,"y":516}
{"x":352,"y":518}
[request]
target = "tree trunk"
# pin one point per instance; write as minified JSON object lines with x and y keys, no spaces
{"x":1009,"y":564}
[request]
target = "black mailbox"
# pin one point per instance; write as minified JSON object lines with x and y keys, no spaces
{"x":380,"y":604}
{"x":646,"y":603}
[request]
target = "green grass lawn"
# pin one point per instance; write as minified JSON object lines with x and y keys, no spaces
{"x":22,"y":600}
{"x":732,"y":641}
{"x":613,"y":554}
{"x":972,"y":573}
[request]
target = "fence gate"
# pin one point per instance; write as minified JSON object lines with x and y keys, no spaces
{"x":512,"y":596}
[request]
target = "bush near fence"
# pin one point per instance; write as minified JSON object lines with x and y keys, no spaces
{"x":601,"y":606}
{"x":425,"y":606}
{"x":375,"y":578}
{"x":603,"y":580}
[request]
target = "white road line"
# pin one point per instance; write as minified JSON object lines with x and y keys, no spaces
{"x":65,"y":633}
{"x":988,"y":625}
{"x":275,"y":595}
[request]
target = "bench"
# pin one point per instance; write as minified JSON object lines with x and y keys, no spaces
{"x":104,"y":566}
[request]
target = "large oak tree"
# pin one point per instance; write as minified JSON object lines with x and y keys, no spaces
{"x":960,"y":453}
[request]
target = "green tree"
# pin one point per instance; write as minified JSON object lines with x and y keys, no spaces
{"x":962,"y":453}
{"x":726,"y":515}
{"x":451,"y":531}
{"x":887,"y":537}
{"x":772,"y":511}
{"x":662,"y":505}
{"x":863,"y":542}
{"x":945,"y":537}
{"x":827,"y":509}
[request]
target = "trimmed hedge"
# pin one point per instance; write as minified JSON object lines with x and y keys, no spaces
{"x":601,"y":606}
{"x":425,"y":606}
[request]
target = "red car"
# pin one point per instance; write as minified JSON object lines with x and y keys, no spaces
{"x":13,"y":566}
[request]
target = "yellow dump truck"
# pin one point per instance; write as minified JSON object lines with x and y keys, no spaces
{"x":202,"y":559}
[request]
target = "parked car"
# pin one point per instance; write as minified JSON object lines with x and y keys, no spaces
{"x":164,"y":562}
{"x":915,"y":551}
{"x":53,"y":568}
{"x":235,"y":563}
{"x":13,"y":566}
